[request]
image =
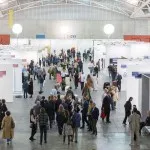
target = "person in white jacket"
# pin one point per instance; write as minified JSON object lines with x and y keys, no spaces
{"x":134,"y":122}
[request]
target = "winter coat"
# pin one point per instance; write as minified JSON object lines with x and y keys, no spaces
{"x":8,"y":131}
{"x":30,"y":88}
{"x":60,"y":118}
{"x":114,"y":95}
{"x":128,"y":106}
{"x":85,"y":107}
{"x":67,"y":129}
{"x":76,"y":118}
{"x":134,"y":121}
{"x":37,"y":109}
{"x":95,"y":113}
{"x":50,"y":109}
{"x":25,"y":86}
{"x":106,"y":103}
{"x":43,"y":119}
{"x":58,"y":102}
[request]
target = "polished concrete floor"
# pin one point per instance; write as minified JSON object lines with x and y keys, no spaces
{"x":112,"y":136}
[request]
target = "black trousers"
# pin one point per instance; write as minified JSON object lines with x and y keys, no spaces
{"x":43,"y":130}
{"x":127,"y":114}
{"x":107,"y":113}
{"x":33,"y":131}
{"x":94,"y":127}
{"x":60,"y":128}
{"x":76,"y":85}
{"x":51,"y":120}
{"x":82,"y":85}
{"x":25,"y":94}
{"x":90,"y":122}
{"x":119,"y":86}
{"x":84,"y":119}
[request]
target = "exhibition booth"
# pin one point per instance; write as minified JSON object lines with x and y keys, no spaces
{"x":21,"y":51}
{"x":131,"y":71}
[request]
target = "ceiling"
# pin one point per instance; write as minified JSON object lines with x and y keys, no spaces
{"x":130,"y":8}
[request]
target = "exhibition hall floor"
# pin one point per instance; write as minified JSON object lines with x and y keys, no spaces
{"x":112,"y":136}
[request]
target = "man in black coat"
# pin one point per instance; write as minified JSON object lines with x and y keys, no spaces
{"x":95,"y":115}
{"x":106,"y":106}
{"x":50,"y":109}
{"x":128,"y":108}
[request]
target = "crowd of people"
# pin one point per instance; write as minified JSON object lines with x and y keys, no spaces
{"x":63,"y":108}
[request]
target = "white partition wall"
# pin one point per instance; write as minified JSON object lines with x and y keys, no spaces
{"x":139,"y":50}
{"x":122,"y":65}
{"x":17,"y":74}
{"x":117,"y":51}
{"x":6,"y":82}
{"x":134,"y":84}
{"x":27,"y":55}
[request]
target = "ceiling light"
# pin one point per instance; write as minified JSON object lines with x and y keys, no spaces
{"x":64,"y":29}
{"x":109,"y":29}
{"x":133,"y":2}
{"x":17,"y":29}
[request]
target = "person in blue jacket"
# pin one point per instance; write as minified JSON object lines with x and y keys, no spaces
{"x":76,"y":118}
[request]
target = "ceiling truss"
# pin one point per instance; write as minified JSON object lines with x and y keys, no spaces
{"x":118,"y":6}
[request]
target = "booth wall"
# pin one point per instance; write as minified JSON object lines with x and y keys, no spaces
{"x":145,"y":95}
{"x":6,"y":83}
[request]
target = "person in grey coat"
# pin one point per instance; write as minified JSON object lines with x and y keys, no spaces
{"x":134,"y":122}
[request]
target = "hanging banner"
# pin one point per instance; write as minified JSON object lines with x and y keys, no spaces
{"x":10,"y":18}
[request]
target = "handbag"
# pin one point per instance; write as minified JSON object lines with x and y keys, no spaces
{"x":103,"y":114}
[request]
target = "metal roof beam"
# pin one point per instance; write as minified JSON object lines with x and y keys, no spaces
{"x":139,"y":8}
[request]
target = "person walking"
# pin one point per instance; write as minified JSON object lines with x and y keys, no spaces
{"x":43,"y":122}
{"x":30,"y":88}
{"x":118,"y":79}
{"x":96,"y":70}
{"x":84,"y":113}
{"x":95,"y":115}
{"x":90,"y":115}
{"x":134,"y":122}
{"x":82,"y":80}
{"x":106,"y":107}
{"x":76,"y":79}
{"x":67,"y":131}
{"x":41,"y":80}
{"x":128,"y":108}
{"x":50,"y":109}
{"x":8,"y":126}
{"x":33,"y":124}
{"x":76,"y":118}
{"x":25,"y":89}
{"x":60,"y":118}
